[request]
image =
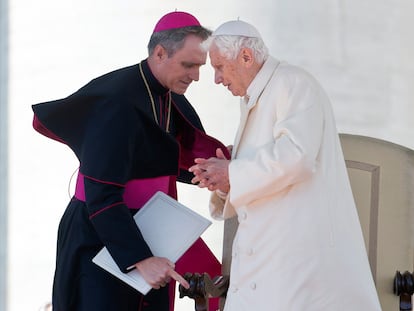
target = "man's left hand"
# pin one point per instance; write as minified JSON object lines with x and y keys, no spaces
{"x":212,"y":173}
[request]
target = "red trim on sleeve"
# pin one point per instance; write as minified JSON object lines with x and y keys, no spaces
{"x":104,"y":209}
{"x":103,"y":181}
{"x":38,"y":126}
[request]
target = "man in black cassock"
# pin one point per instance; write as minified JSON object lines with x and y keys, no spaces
{"x":134,"y":133}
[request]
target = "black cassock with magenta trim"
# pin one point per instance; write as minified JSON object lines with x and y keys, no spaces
{"x":129,"y":146}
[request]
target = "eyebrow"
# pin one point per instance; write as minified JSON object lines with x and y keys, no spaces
{"x":191,"y":64}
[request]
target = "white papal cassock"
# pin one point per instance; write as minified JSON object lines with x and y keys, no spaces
{"x":299,"y":244}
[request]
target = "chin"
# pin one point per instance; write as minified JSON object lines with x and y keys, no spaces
{"x":180,"y":89}
{"x":233,"y":92}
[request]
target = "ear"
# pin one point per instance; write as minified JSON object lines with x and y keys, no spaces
{"x":160,"y":53}
{"x":246,"y":57}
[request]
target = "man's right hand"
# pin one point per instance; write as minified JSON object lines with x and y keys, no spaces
{"x":158,"y":271}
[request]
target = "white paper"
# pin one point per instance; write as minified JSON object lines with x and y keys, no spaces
{"x":168,"y":227}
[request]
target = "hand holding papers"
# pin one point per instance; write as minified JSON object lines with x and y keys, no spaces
{"x":159,"y":271}
{"x":168,"y":227}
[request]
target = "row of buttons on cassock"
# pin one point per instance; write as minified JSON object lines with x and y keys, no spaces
{"x":234,"y":289}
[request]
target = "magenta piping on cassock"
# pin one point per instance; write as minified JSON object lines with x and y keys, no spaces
{"x":137,"y":191}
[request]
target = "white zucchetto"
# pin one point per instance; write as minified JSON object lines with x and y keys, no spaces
{"x":237,"y":28}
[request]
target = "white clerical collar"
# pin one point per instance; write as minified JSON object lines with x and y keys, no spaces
{"x":246,"y":98}
{"x":260,"y":80}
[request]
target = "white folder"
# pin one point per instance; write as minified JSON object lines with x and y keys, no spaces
{"x":168,"y":227}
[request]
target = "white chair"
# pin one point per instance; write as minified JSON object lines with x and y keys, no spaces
{"x":382,"y":180}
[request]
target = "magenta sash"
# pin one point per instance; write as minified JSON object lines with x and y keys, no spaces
{"x":137,"y":191}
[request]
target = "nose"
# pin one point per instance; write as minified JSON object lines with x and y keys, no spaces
{"x":195,"y":74}
{"x":218,"y":78}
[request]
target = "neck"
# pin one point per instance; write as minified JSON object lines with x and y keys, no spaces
{"x":152,"y":64}
{"x":252,"y":73}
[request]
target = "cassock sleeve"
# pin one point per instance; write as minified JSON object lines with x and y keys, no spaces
{"x":106,"y":162}
{"x":114,"y":224}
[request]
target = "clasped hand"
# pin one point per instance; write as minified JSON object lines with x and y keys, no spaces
{"x":212,"y":173}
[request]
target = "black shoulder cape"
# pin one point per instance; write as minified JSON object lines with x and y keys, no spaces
{"x":109,"y":125}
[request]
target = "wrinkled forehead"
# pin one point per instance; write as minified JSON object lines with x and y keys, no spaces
{"x":214,"y":54}
{"x":220,"y":61}
{"x":216,"y":51}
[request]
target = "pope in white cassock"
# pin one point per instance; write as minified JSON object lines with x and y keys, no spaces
{"x":299,"y":244}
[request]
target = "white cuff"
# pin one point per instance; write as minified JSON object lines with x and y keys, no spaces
{"x":222,"y":195}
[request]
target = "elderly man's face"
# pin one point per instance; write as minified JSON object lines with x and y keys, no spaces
{"x":228,"y":72}
{"x":183,"y":67}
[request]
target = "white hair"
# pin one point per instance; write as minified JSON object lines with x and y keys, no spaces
{"x":230,"y":46}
